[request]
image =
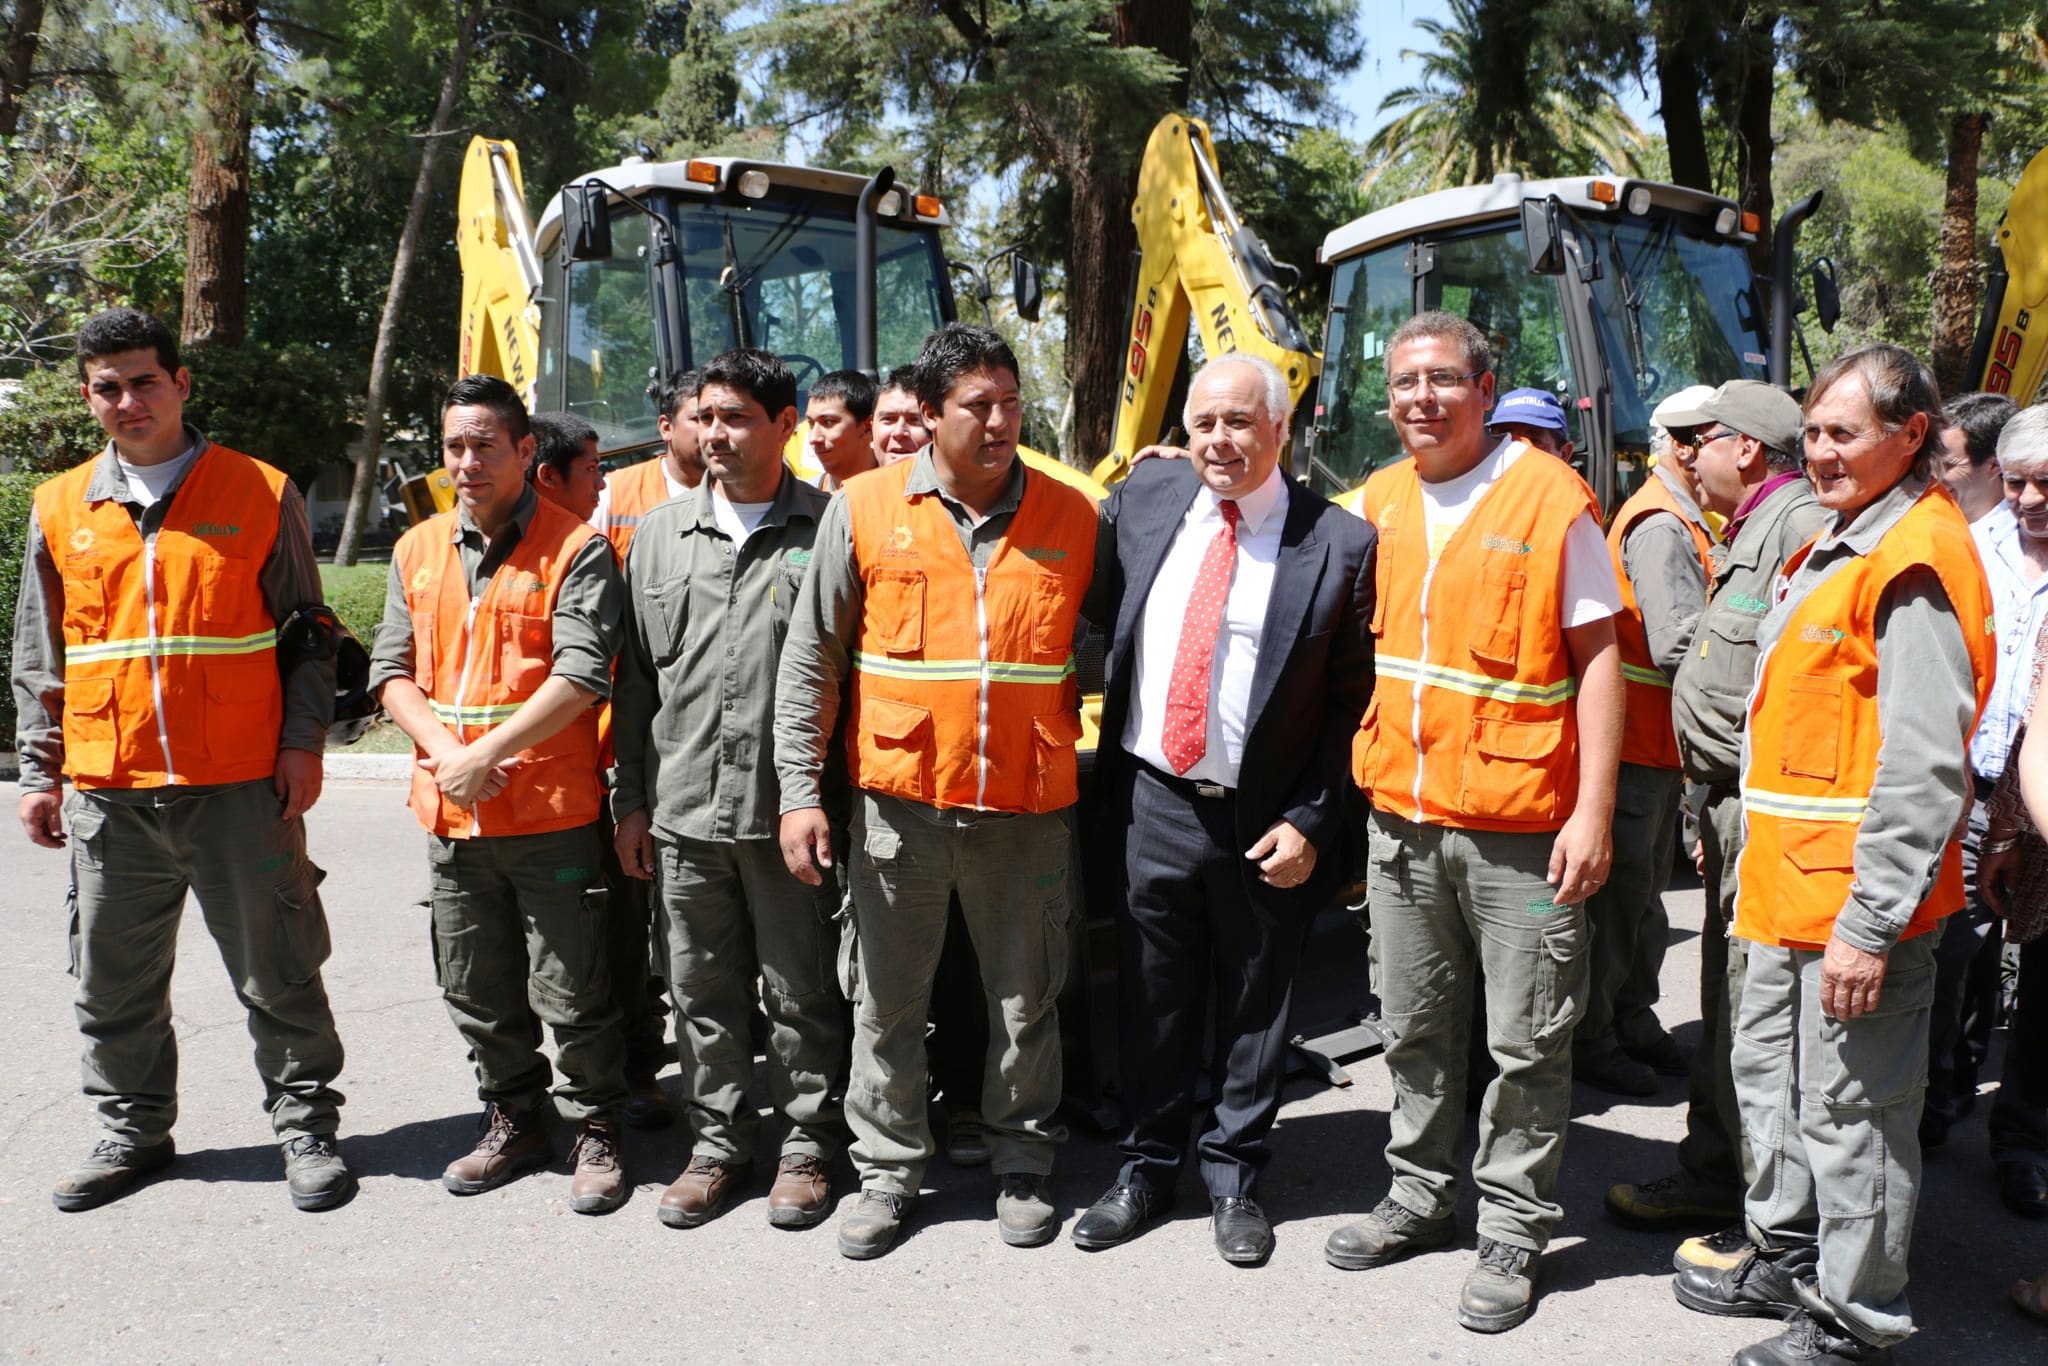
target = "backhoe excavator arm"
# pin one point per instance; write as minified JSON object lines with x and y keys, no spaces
{"x":2011,"y":355}
{"x":1198,"y":262}
{"x":500,"y":269}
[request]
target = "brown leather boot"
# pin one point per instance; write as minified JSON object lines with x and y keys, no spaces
{"x":802,"y":1193}
{"x":700,"y":1194}
{"x":600,"y":1184}
{"x":514,"y":1142}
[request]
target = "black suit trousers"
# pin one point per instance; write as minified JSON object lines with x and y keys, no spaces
{"x":1187,"y":935}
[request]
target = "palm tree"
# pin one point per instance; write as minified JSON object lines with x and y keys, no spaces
{"x":1498,"y":93}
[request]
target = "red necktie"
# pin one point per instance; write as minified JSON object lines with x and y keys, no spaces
{"x":1185,"y":735}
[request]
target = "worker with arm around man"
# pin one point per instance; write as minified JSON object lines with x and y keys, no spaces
{"x":1488,"y":753}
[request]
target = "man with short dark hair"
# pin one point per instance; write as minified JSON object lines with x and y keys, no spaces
{"x":565,"y":463}
{"x":501,"y":619}
{"x":945,"y":591}
{"x":1489,"y":757}
{"x":899,"y":430}
{"x":840,"y":410}
{"x":629,"y":493}
{"x":146,"y":671}
{"x":1968,"y":462}
{"x":712,"y":580}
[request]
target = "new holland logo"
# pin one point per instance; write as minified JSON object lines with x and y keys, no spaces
{"x":798,"y":557}
{"x":1819,"y":635}
{"x":1041,"y":552}
{"x":213,"y":529}
{"x":1507,"y":545}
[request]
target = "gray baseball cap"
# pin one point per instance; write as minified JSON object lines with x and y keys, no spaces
{"x":1749,"y":406}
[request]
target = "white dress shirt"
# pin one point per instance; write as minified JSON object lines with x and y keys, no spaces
{"x":1261,"y":515}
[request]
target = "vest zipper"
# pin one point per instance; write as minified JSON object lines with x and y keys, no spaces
{"x":1415,"y":690}
{"x":462,"y":693}
{"x":981,"y":709}
{"x":156,"y":676}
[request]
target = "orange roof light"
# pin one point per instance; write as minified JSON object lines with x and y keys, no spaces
{"x":1752,"y":224}
{"x":1604,"y":192}
{"x":701,"y":172}
{"x":927,"y":206}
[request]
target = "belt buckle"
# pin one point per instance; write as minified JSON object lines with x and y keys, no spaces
{"x":1216,"y":790}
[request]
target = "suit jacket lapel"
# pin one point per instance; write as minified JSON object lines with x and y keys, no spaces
{"x":1295,"y":575}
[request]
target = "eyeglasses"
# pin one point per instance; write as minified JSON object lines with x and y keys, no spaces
{"x":1407,"y":382}
{"x":1701,"y":443}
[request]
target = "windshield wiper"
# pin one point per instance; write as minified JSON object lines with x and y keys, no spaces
{"x":729,"y":281}
{"x":1633,"y":299}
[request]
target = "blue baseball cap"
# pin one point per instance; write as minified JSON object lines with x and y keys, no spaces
{"x":1528,"y":408}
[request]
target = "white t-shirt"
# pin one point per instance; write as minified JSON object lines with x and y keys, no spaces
{"x":1589,"y":588}
{"x":736,"y":520}
{"x":148,"y":483}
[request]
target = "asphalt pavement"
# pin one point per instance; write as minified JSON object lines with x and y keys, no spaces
{"x":211,"y":1263}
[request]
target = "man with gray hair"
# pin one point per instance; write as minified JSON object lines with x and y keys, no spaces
{"x":1239,"y":606}
{"x":2014,"y":548}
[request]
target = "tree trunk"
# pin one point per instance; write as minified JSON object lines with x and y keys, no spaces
{"x":1753,"y":127}
{"x":17,"y":61}
{"x":1685,"y":129}
{"x":1104,"y":181}
{"x":364,"y":455}
{"x":217,"y":219}
{"x":1955,"y":268}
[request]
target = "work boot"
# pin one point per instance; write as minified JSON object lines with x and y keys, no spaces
{"x":1614,"y":1071}
{"x":967,"y":1140}
{"x":1723,"y":1251}
{"x":700,"y":1194}
{"x":1661,"y":1053}
{"x":514,"y":1142}
{"x":1024,"y":1216}
{"x":1390,"y":1232}
{"x":873,"y":1225}
{"x":600,"y":1183}
{"x":1807,"y":1341}
{"x":802,"y":1193}
{"x":314,"y":1171}
{"x":1669,"y":1200}
{"x":107,"y":1173}
{"x":1498,"y":1293}
{"x":1761,"y":1286}
{"x":647,"y":1105}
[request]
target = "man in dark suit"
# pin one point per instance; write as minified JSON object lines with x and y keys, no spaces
{"x":1240,"y":662}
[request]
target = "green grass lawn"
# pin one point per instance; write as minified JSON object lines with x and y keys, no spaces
{"x":356,"y":593}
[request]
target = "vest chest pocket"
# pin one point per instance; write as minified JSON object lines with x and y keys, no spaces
{"x":1497,"y":637}
{"x":525,"y":652}
{"x":895,"y":612}
{"x":424,"y":643}
{"x":85,"y":600}
{"x":1812,"y":737}
{"x":1053,"y":609}
{"x":226,"y":585}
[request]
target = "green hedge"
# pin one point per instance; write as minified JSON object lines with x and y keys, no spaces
{"x":17,"y":493}
{"x":356,"y":593}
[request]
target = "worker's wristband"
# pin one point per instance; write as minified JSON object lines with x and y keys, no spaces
{"x":2000,"y":846}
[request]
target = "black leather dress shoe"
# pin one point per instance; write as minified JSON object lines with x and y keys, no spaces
{"x":1761,"y":1286}
{"x":1243,"y":1233}
{"x":1117,"y":1215}
{"x":2024,"y":1189}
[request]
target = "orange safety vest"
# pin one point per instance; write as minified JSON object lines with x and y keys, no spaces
{"x":963,"y":680}
{"x":1814,"y":731}
{"x":635,"y":491}
{"x":478,"y":661}
{"x":170,"y":652}
{"x":1647,"y":737}
{"x":1471,"y":722}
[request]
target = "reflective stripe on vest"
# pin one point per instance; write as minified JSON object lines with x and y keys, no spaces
{"x":480,"y":660}
{"x":1471,"y":721}
{"x":170,"y":651}
{"x":1647,"y":735}
{"x":963,"y":679}
{"x":1815,"y":733}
